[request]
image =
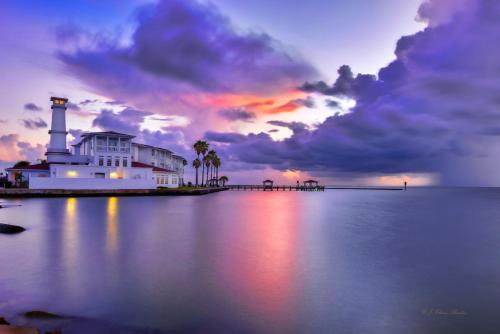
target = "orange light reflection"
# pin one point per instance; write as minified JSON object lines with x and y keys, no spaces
{"x":262,"y":268}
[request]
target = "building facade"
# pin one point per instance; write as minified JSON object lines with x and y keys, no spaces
{"x":101,"y":160}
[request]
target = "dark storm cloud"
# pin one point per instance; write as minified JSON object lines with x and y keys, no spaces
{"x":433,"y":109}
{"x":33,"y":124}
{"x":296,"y":127}
{"x":127,"y":121}
{"x":237,"y":114}
{"x":32,"y":107}
{"x":224,"y":137}
{"x":190,"y":42}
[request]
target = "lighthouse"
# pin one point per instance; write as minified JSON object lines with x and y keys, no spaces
{"x":57,"y":152}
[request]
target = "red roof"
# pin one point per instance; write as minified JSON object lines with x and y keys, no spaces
{"x":32,"y":167}
{"x":137,"y":164}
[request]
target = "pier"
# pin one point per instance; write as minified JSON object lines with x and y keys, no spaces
{"x":250,"y":187}
{"x":260,"y":187}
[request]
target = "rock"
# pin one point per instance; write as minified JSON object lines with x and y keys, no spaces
{"x":5,"y":329}
{"x":41,"y":315}
{"x":3,"y":321}
{"x":11,"y":229}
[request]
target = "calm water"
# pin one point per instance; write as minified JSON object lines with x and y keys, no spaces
{"x":342,"y":261}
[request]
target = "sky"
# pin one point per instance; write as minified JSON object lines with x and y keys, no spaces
{"x":348,"y":92}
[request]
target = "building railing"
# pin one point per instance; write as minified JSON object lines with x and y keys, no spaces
{"x":112,"y":149}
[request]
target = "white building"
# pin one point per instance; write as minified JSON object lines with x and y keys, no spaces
{"x":101,"y":160}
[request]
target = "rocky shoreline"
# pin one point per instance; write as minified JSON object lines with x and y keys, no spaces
{"x":42,"y":322}
{"x":6,"y":327}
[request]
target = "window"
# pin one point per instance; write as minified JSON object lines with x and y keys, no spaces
{"x":125,"y":161}
{"x":174,"y":180}
{"x":113,"y":144}
{"x":110,"y":161}
{"x":124,"y":145}
{"x":100,"y":175}
{"x":101,"y":144}
{"x":101,"y":160}
{"x":117,"y":162}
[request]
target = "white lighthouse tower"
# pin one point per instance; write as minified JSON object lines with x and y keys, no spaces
{"x":57,"y":151}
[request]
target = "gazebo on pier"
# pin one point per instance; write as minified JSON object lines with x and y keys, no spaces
{"x":311,"y":184}
{"x":267,"y":184}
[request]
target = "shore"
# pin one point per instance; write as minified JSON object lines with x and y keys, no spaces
{"x":184,"y":191}
{"x":41,"y":322}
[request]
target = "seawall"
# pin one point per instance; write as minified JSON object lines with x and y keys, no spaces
{"x":31,"y":193}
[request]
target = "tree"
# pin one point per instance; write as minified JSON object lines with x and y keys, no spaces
{"x":216,"y":163}
{"x":196,"y":165}
{"x":223,"y":179}
{"x":212,"y":155}
{"x":207,"y":162}
{"x":22,"y":164}
{"x":201,"y":147}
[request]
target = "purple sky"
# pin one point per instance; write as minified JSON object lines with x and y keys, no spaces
{"x":356,"y":92}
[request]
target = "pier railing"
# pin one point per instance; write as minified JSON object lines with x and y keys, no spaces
{"x":257,"y":187}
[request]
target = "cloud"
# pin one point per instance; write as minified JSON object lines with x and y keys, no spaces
{"x":88,"y":101}
{"x":73,"y":107}
{"x":130,"y":121}
{"x":31,"y":152}
{"x":34,"y":124}
{"x":332,"y":104}
{"x":191,"y":43}
{"x":32,"y":107}
{"x":127,"y":120}
{"x":296,"y":127}
{"x":433,"y":109}
{"x":293,"y":105}
{"x":237,"y":114}
{"x":180,"y":57}
{"x":12,"y":149}
{"x":224,"y":137}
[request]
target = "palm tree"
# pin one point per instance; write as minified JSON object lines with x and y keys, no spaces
{"x":216,"y":162}
{"x":223,"y":179}
{"x":212,"y":154}
{"x":201,"y":147}
{"x":206,"y":162}
{"x":196,"y":165}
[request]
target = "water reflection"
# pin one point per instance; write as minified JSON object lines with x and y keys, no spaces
{"x":261,"y":269}
{"x":112,"y":225}
{"x":70,"y":236}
